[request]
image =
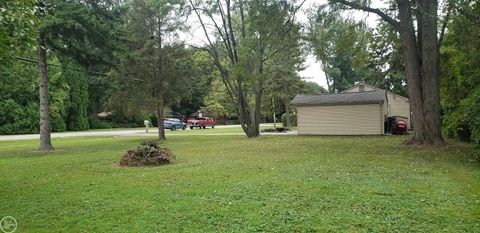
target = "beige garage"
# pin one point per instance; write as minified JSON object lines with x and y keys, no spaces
{"x":361,"y":113}
{"x":360,"y":110}
{"x":397,"y":105}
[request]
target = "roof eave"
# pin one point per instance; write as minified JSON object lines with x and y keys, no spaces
{"x":333,"y":104}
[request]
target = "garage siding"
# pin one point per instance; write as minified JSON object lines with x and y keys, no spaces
{"x":357,"y":89}
{"x":399,"y":106}
{"x":365,"y":119}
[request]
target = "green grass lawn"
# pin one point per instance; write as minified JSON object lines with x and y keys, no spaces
{"x":236,"y":184}
{"x":209,"y":130}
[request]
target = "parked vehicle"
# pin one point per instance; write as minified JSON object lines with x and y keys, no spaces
{"x":201,"y":123}
{"x":396,"y":125}
{"x":174,"y":124}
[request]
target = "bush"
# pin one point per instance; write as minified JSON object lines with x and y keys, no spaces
{"x":97,"y":123}
{"x":18,"y":119}
{"x":279,"y":129}
{"x":463,"y":122}
{"x":58,"y":124}
{"x":293,"y":119}
{"x":147,"y":154}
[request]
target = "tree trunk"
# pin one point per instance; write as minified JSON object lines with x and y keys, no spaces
{"x":412,"y":67}
{"x":161,"y":100}
{"x":245,"y":115}
{"x":161,"y":129}
{"x":45,"y":141}
{"x":257,"y":113}
{"x":422,"y":71}
{"x":258,"y":96}
{"x":430,"y":72}
{"x":286,"y":104}
{"x":273,"y":111}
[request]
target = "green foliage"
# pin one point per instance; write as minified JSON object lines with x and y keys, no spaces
{"x":76,"y":109}
{"x":97,"y":123}
{"x":84,"y":31}
{"x":19,"y":96}
{"x":18,"y":119}
{"x":293,"y":119}
{"x":312,"y":88}
{"x":460,"y":71}
{"x":341,"y":45}
{"x":58,"y":97}
{"x":273,"y":130}
{"x":155,"y":68}
{"x":386,"y":60}
{"x":17,"y":21}
{"x":199,"y":87}
{"x":217,"y":102}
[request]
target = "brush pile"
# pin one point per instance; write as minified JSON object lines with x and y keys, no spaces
{"x":147,"y":154}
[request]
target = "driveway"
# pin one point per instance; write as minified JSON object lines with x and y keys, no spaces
{"x":130,"y":133}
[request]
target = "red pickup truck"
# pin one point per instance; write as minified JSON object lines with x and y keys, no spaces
{"x":201,"y":122}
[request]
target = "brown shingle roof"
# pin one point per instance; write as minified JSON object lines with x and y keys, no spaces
{"x":366,"y":97}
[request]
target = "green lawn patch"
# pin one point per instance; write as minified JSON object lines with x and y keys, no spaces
{"x":209,"y":130}
{"x":236,"y":184}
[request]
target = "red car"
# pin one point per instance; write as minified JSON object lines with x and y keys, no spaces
{"x":201,"y":123}
{"x":400,"y":127}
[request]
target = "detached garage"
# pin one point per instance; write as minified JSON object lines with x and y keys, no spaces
{"x":361,"y":110}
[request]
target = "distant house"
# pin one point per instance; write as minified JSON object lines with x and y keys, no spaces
{"x":359,"y":110}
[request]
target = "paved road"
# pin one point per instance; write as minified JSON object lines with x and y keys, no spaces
{"x":127,"y":133}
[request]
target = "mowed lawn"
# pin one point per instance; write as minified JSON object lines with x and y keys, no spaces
{"x":235,"y":184}
{"x":209,"y":130}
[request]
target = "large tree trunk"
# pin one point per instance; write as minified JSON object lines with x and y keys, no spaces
{"x":422,"y":70}
{"x":160,"y":116}
{"x":45,"y":141}
{"x":430,"y":71}
{"x":412,"y":68}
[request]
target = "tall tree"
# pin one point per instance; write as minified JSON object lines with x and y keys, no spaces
{"x":203,"y":75}
{"x":154,"y":65}
{"x":45,"y":128}
{"x":416,"y":23}
{"x":69,"y":28}
{"x":282,"y":79}
{"x":341,"y":45}
{"x":247,"y":34}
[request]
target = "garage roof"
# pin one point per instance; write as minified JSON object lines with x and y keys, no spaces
{"x":365,"y":97}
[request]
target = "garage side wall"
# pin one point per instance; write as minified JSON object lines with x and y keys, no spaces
{"x":365,"y":119}
{"x":398,"y":106}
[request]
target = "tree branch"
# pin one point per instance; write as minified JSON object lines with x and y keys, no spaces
{"x":381,"y":14}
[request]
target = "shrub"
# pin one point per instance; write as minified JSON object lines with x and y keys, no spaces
{"x":279,"y":129}
{"x":147,"y":154}
{"x":293,"y":120}
{"x":97,"y":123}
{"x":76,"y":107}
{"x":17,"y":119}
